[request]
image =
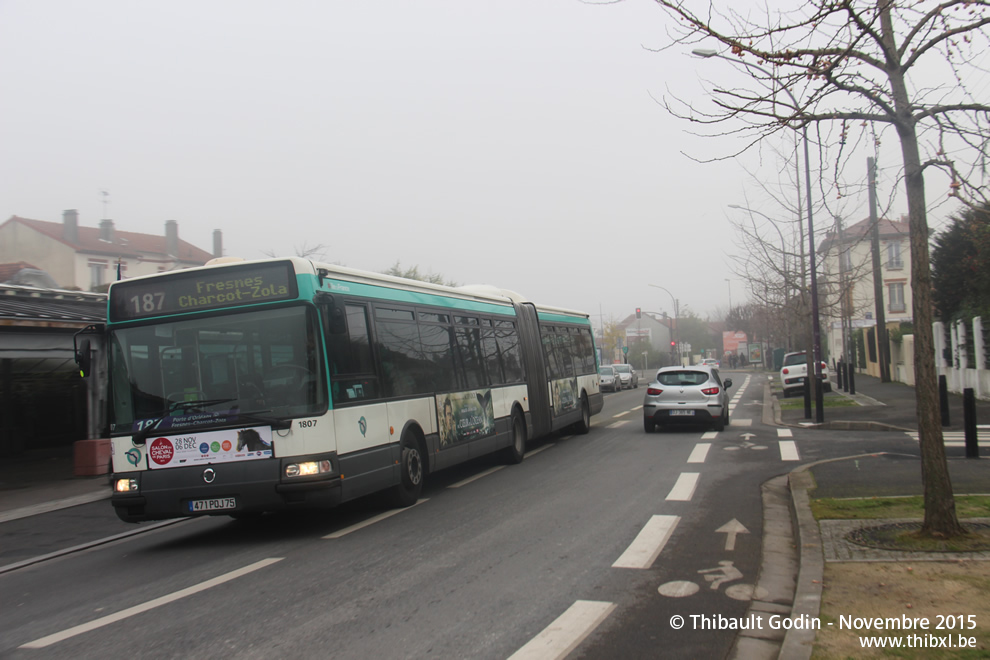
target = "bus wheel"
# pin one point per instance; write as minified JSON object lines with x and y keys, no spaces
{"x":406,"y":492}
{"x":514,"y":453}
{"x":584,"y":425}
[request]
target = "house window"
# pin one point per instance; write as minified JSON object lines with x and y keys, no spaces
{"x":894,"y":255}
{"x":845,"y":261}
{"x":895,"y":297}
{"x":97,"y":274}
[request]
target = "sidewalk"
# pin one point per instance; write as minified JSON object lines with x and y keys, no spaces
{"x":882,"y":406}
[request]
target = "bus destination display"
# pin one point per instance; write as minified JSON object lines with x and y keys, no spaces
{"x":200,"y":290}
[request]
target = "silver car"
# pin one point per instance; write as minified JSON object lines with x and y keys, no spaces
{"x":687,"y":395}
{"x":627,"y":375}
{"x":609,"y":379}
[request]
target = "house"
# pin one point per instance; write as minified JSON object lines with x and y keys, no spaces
{"x":846,"y":265}
{"x":88,"y":258}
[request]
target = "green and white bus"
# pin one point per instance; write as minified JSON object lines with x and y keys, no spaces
{"x":251,"y":386}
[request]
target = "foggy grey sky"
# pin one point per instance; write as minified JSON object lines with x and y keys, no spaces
{"x":512,"y":143}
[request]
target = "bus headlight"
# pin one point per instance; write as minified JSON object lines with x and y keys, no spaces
{"x":126,"y":486}
{"x":307,"y":468}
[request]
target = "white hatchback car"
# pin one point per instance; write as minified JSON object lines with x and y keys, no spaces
{"x":794,"y":370}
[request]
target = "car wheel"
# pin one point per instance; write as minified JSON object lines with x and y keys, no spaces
{"x":649,"y":425}
{"x":719,"y":424}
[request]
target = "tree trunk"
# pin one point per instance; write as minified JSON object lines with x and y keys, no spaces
{"x":940,"y":506}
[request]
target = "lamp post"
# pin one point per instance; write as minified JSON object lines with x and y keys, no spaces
{"x":815,"y":329}
{"x":673,"y":330}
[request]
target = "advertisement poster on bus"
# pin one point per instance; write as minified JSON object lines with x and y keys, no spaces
{"x":207,"y":447}
{"x":563,"y":395}
{"x":465,"y":416}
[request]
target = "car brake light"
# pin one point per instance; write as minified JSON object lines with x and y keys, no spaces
{"x":653,"y":391}
{"x":710,"y":391}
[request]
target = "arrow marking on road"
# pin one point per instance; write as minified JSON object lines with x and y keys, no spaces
{"x":731,"y":529}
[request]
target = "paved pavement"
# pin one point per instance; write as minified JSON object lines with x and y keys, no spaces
{"x":33,"y":485}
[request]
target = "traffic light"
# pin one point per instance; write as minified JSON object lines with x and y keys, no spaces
{"x":639,"y":313}
{"x":673,"y":344}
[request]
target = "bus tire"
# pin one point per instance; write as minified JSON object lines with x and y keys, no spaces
{"x":412,"y":471}
{"x":584,"y":425}
{"x":514,"y":452}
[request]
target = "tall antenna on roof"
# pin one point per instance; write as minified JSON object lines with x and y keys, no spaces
{"x":106,"y":200}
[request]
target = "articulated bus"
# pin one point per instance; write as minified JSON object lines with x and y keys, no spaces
{"x":245,"y":387}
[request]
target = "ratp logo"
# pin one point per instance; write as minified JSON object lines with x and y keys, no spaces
{"x":133,"y":456}
{"x":363,"y":426}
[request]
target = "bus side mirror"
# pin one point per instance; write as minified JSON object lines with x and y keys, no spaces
{"x":83,"y":358}
{"x":334,"y":319}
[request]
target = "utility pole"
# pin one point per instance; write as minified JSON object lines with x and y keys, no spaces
{"x":883,"y":348}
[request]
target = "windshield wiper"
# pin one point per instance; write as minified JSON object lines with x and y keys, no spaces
{"x":274,"y":422}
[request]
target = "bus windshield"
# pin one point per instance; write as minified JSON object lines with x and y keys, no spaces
{"x":217,"y":369}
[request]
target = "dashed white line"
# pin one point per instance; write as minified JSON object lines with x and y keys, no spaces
{"x":485,"y":473}
{"x":683,"y":489}
{"x":740,"y":422}
{"x":709,"y":435}
{"x":699,"y":453}
{"x":785,"y":433}
{"x":648,"y":544}
{"x":616,"y":425}
{"x":622,"y":414}
{"x":370,"y":521}
{"x":566,"y":632}
{"x":150,"y":605}
{"x":788,"y":451}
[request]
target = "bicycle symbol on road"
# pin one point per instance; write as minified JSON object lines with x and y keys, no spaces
{"x":716,"y":577}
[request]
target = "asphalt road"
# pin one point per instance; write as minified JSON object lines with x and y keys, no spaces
{"x":591,"y":546}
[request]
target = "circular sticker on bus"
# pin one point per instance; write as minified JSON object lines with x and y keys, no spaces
{"x":226,"y":445}
{"x":161,"y":451}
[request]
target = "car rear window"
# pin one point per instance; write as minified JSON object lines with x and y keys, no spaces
{"x":622,"y":368}
{"x":683,"y":377}
{"x":606,"y":371}
{"x":797,"y":358}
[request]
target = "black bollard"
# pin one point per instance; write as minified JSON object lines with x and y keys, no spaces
{"x":820,"y":401}
{"x":841,"y":372}
{"x":850,"y":371}
{"x":943,"y":400}
{"x":969,"y":422}
{"x":807,"y":397}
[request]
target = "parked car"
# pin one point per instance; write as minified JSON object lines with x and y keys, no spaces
{"x":687,"y":395}
{"x":710,"y":362}
{"x":793,"y":372}
{"x":627,"y":374}
{"x":609,"y":379}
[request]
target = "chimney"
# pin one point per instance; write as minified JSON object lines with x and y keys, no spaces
{"x":172,"y":238}
{"x":70,"y":225}
{"x":217,"y":243}
{"x":106,"y":230}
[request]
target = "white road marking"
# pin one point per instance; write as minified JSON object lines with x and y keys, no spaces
{"x":785,"y":433}
{"x":683,"y":489}
{"x":566,"y":632}
{"x":699,"y":453}
{"x":957,"y":438}
{"x":709,"y":435}
{"x":616,"y":425}
{"x":151,"y":604}
{"x":648,"y":544}
{"x":370,"y":521}
{"x":621,"y":414}
{"x":539,"y":449}
{"x":731,"y":529}
{"x":740,"y":422}
{"x":788,"y":451}
{"x":485,"y":473}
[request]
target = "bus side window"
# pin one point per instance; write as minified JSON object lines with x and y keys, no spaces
{"x":352,"y":370}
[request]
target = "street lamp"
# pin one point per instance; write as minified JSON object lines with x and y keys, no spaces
{"x":815,"y":329}
{"x":673,"y":330}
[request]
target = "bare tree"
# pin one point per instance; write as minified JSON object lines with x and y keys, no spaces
{"x":867,"y":66}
